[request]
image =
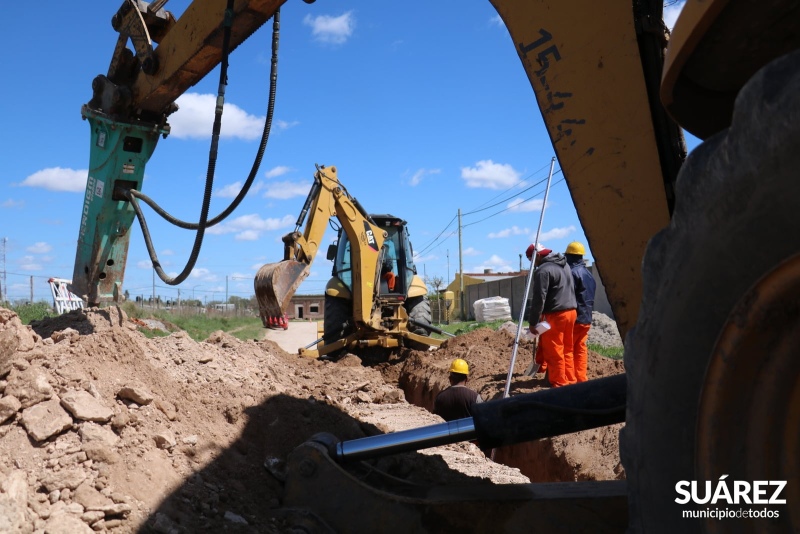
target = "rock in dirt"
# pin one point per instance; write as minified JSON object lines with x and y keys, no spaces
{"x":82,"y":405}
{"x":45,"y":420}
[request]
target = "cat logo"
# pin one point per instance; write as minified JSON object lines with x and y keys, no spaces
{"x":370,"y":236}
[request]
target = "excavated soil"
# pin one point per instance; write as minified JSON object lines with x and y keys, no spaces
{"x":105,"y":430}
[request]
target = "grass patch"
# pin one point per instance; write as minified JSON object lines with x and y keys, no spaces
{"x":615,"y":353}
{"x":150,"y":333}
{"x":462,"y":327}
{"x":200,"y":326}
{"x":197,"y":325}
{"x":33,"y":312}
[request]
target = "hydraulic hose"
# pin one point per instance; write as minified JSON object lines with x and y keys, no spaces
{"x":133,"y":195}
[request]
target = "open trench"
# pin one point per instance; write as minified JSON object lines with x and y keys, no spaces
{"x":588,"y":455}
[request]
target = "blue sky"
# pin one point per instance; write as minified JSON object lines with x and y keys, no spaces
{"x":425,"y":109}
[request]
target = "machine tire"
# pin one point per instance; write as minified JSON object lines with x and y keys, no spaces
{"x":735,"y":220}
{"x":419,"y":309}
{"x":338,"y":319}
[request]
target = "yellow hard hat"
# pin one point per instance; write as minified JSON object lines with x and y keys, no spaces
{"x":575,"y":248}
{"x":459,"y":366}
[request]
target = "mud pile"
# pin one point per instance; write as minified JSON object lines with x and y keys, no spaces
{"x":105,"y":430}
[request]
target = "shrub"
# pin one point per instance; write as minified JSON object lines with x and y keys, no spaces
{"x":33,"y":312}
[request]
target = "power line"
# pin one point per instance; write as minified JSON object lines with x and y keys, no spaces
{"x":509,"y":207}
{"x":523,"y":182}
{"x":437,"y":242}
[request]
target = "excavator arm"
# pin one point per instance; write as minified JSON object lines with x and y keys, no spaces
{"x":128,"y":113}
{"x":595,"y":70}
{"x":276,"y":283}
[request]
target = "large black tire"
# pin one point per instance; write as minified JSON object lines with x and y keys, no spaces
{"x":338,"y":319}
{"x":419,"y":310}
{"x":735,"y":220}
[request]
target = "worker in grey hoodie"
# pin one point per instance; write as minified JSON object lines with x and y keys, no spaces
{"x":553,"y":300}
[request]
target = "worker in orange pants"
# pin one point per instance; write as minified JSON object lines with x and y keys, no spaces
{"x":553,"y":300}
{"x":555,"y":350}
{"x":585,"y":287}
{"x":580,"y":352}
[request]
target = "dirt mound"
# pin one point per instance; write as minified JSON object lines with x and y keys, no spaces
{"x":588,"y":455}
{"x":102,"y":429}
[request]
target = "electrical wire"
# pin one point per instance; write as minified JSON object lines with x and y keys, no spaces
{"x":509,"y":207}
{"x":437,"y":242}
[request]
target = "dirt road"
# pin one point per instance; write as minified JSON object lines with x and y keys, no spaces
{"x":299,"y":334}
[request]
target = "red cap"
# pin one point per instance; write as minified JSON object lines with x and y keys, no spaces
{"x":529,"y":251}
{"x":540,"y":252}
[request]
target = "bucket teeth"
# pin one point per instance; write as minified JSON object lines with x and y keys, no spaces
{"x":275,"y":285}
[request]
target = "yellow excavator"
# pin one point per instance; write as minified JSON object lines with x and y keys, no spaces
{"x":375,"y":298}
{"x":699,"y":257}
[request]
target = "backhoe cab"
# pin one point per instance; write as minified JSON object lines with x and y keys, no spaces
{"x":374,"y":298}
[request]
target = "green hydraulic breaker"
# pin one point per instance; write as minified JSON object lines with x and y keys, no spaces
{"x":119,"y":153}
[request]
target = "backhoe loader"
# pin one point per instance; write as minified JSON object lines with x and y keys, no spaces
{"x":699,"y":258}
{"x":374,"y":298}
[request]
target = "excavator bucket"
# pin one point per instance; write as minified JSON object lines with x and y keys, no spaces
{"x":275,"y":284}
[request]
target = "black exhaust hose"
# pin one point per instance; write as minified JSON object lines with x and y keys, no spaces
{"x":551,"y":412}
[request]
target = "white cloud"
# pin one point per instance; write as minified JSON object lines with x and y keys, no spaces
{"x":247,"y":235}
{"x":203,"y":274}
{"x":144,"y":264}
{"x":195,"y":118}
{"x":250,"y":227}
{"x":229,"y":191}
{"x":555,"y":233}
{"x":284,"y":190}
{"x":671,"y":13}
{"x":490,"y":175}
{"x":335,"y":30}
{"x":285,"y":125}
{"x":274,"y":172}
{"x":497,"y":21}
{"x":419,"y":260}
{"x":416,"y":178}
{"x":526,"y":205}
{"x":58,"y":179}
{"x":39,"y":248}
{"x":496,"y":264}
{"x":28,"y":263}
{"x":508,"y":232}
{"x":469,"y":251}
{"x":167,"y":252}
{"x":11,"y":203}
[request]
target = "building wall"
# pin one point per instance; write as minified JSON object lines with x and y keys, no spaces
{"x":307,"y":307}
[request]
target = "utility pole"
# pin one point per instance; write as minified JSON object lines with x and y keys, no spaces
{"x":31,"y":289}
{"x":154,"y":286}
{"x":520,"y":263}
{"x":462,"y":298}
{"x":226,"y":289}
{"x":448,"y":269}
